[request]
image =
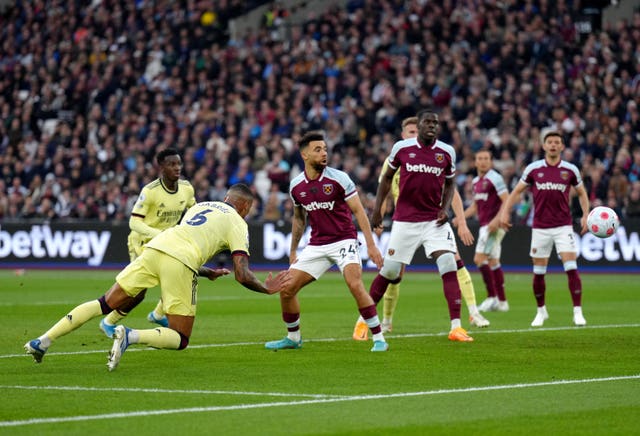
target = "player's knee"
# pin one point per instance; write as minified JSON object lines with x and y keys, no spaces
{"x":570,"y":265}
{"x":184,"y":341}
{"x":540,"y":269}
{"x":446,"y":263}
{"x":391,"y":271}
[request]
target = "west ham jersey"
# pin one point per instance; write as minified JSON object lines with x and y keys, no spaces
{"x":486,"y":193}
{"x":550,"y":186}
{"x":325,"y":199}
{"x":423,"y":170}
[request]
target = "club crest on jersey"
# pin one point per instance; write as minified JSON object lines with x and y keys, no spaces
{"x":412,"y":155}
{"x":540,"y":175}
{"x":303,"y":194}
{"x":564,"y":175}
{"x":439,"y":157}
{"x":391,"y":251}
{"x":327,"y":188}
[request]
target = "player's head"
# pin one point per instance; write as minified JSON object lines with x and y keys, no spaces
{"x":552,"y":144}
{"x":170,"y":164}
{"x":428,"y":126}
{"x":409,"y":128}
{"x":314,"y":150}
{"x":240,"y":197}
{"x":484,"y":161}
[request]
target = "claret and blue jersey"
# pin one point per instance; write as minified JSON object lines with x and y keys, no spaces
{"x":325,"y":201}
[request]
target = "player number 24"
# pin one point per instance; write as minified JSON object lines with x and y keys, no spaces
{"x":344,"y":251}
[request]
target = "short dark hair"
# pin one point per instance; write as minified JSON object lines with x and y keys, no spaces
{"x":423,"y":112}
{"x":308,"y":137}
{"x":161,"y":156}
{"x":485,"y":150}
{"x":240,"y":190}
{"x":553,"y":133}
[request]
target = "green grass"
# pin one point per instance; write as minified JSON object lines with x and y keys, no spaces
{"x":512,"y":380}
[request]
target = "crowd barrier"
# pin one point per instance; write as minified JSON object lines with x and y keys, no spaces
{"x":104,"y":245}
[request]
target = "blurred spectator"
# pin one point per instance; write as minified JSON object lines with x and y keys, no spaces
{"x":632,"y":202}
{"x":89,"y":92}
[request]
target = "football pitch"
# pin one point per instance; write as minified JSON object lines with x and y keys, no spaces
{"x":513,"y":379}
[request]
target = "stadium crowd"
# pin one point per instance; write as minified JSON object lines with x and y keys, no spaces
{"x":90,"y":92}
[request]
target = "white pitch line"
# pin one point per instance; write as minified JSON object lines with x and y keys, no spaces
{"x":403,"y":336}
{"x":167,"y":391}
{"x":55,"y":420}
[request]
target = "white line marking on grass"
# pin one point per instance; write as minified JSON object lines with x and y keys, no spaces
{"x":408,"y":335}
{"x":55,"y":420}
{"x":168,"y":391}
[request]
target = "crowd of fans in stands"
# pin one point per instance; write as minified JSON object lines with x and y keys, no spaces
{"x":90,"y":93}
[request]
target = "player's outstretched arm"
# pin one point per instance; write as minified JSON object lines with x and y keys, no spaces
{"x":507,"y":206}
{"x":212,"y":273}
{"x":583,"y":198}
{"x":247,"y":278}
{"x":298,"y":224}
{"x":494,"y":224}
{"x":447,"y":197}
{"x":464,"y":233}
{"x":358,"y":211}
{"x":138,"y":225}
{"x":471,"y":210}
{"x":381,"y":196}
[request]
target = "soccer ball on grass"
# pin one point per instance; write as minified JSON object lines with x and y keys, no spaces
{"x":602,"y":222}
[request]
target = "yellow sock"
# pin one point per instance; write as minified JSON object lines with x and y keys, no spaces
{"x":74,"y":319}
{"x":114,"y":317}
{"x":466,"y":286}
{"x":159,"y":337}
{"x":159,"y":311}
{"x":390,"y":300}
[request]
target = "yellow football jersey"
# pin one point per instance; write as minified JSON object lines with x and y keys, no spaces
{"x":395,"y":182}
{"x":160,"y":208}
{"x":206,"y":229}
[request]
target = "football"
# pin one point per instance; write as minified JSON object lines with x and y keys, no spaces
{"x":602,"y":222}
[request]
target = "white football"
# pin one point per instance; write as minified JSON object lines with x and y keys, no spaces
{"x":602,"y":222}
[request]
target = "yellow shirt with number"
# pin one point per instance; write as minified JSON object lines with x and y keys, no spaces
{"x":206,"y":229}
{"x":160,"y":209}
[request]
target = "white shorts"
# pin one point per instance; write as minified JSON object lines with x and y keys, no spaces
{"x":490,"y":243}
{"x":406,"y":237}
{"x":542,"y":241}
{"x":317,"y":259}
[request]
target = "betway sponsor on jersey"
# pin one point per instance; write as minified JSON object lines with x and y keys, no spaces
{"x":481,"y":196}
{"x":549,"y":186}
{"x":422,"y":168}
{"x":42,"y":243}
{"x":318,"y":205}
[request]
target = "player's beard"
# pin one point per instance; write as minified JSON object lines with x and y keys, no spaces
{"x":319,"y":167}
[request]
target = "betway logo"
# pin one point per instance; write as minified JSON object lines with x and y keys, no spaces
{"x":622,"y":246}
{"x":481,"y":196}
{"x":41,"y":242}
{"x":422,"y":168}
{"x":317,"y":205}
{"x":548,"y":186}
